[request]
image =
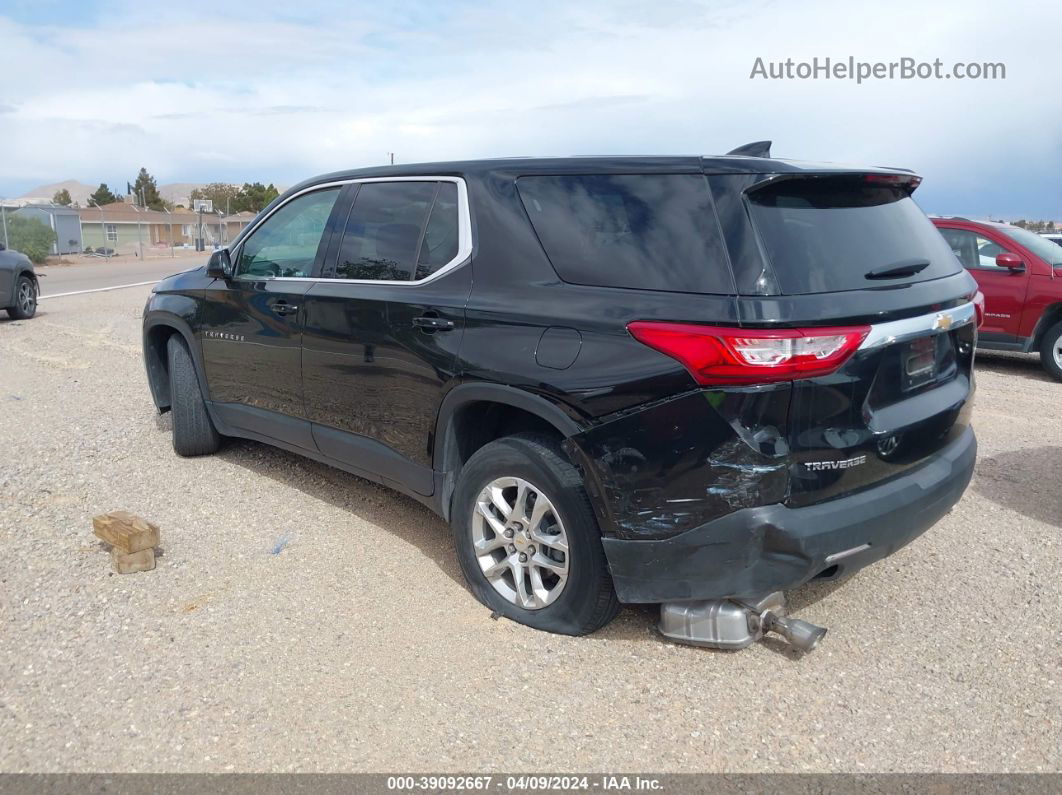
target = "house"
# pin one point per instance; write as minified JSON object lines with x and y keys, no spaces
{"x":126,"y":228}
{"x":62,"y":220}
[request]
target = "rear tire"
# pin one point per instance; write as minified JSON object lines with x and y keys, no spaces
{"x":563,"y":538}
{"x":25,"y":305}
{"x":1051,"y":351}
{"x":193,"y":430}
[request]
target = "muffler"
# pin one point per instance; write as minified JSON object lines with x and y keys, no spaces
{"x":735,"y":623}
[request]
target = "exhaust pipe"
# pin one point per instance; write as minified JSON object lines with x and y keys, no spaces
{"x":802,"y":634}
{"x":735,"y":624}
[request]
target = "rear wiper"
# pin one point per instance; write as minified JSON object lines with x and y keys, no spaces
{"x":907,"y":267}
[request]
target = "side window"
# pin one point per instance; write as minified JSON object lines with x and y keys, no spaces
{"x":644,"y":231}
{"x":972,"y":250}
{"x":987,"y":252}
{"x":440,"y":236}
{"x":286,"y":243}
{"x":383,"y":231}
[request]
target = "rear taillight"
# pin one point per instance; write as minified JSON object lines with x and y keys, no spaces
{"x":979,"y":306}
{"x":717,"y":355}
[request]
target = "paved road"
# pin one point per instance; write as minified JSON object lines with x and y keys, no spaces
{"x":303,"y":619}
{"x":88,"y":273}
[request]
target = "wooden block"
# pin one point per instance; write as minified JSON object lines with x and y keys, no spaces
{"x":125,"y":531}
{"x":144,"y":560}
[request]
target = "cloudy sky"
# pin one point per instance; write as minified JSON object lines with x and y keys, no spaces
{"x":277,"y":91}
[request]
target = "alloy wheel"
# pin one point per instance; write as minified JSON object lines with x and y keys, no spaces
{"x":27,"y":297}
{"x":520,"y":542}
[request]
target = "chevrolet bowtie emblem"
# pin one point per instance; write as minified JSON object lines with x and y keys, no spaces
{"x":942,"y":322}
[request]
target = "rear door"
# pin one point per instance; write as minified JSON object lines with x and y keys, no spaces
{"x":855,"y":250}
{"x":251,"y":325}
{"x":384,"y":326}
{"x":1004,"y":289}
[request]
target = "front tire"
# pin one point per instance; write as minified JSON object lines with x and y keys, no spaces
{"x":193,"y":430}
{"x":25,"y":305}
{"x":527,"y":539}
{"x":1051,"y":351}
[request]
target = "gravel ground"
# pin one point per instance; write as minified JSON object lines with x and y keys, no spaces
{"x":303,"y":619}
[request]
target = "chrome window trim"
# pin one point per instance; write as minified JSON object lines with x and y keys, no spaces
{"x":909,"y":328}
{"x":464,"y":230}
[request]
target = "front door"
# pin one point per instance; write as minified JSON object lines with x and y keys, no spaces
{"x":382,"y":330}
{"x":1004,"y":289}
{"x":251,"y":325}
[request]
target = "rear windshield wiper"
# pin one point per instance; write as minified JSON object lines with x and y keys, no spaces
{"x":907,"y":267}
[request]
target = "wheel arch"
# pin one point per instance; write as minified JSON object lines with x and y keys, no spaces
{"x":1051,"y":315}
{"x":472,"y":415}
{"x":32,"y":274}
{"x":158,"y":328}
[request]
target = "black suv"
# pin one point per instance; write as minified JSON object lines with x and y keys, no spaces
{"x":659,"y":379}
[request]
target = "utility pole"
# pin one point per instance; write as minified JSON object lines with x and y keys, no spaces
{"x":103,"y":227}
{"x":3,"y":214}
{"x":392,"y":154}
{"x":139,"y":236}
{"x":172,"y":241}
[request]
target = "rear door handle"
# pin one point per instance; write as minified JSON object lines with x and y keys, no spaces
{"x":284,"y":308}
{"x":433,"y":323}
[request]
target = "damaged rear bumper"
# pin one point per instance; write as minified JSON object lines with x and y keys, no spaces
{"x":757,"y":550}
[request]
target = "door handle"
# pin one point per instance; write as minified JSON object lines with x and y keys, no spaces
{"x":430,"y":323}
{"x":284,"y":308}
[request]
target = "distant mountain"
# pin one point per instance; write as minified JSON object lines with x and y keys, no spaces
{"x":79,"y":191}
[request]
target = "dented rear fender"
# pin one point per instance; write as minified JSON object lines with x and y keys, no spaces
{"x":667,"y":467}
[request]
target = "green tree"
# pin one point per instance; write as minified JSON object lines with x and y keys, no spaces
{"x":255,"y":196}
{"x":62,"y":197}
{"x":30,"y":236}
{"x":102,"y":195}
{"x":145,"y":191}
{"x":224,"y":196}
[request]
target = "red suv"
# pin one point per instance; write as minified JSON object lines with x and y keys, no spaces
{"x":1020,"y":274}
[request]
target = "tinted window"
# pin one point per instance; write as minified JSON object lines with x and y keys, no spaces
{"x":383,"y":230}
{"x":825,"y":234}
{"x":286,"y":243}
{"x":652,"y":232}
{"x":440,"y":236}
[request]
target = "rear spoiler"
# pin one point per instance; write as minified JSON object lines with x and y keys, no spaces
{"x":907,"y":181}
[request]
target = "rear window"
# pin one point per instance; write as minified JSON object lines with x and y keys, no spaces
{"x":826,"y":234}
{"x":649,"y":231}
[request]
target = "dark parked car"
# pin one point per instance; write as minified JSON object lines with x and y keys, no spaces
{"x":680,"y":380}
{"x":18,"y":284}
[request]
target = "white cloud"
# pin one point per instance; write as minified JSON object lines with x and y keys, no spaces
{"x":276,"y":96}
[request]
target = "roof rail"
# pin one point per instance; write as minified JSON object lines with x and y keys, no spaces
{"x":754,"y":149}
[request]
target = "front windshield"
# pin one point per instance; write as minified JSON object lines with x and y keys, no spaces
{"x":1045,"y":249}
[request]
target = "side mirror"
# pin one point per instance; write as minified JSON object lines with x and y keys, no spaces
{"x":219,"y":265}
{"x":1006,"y":259}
